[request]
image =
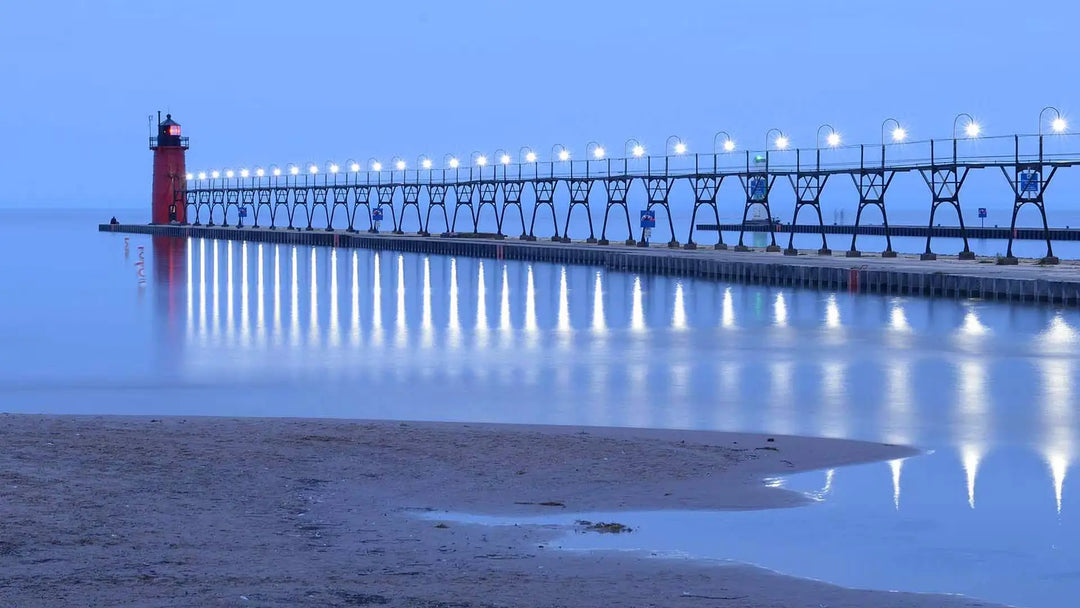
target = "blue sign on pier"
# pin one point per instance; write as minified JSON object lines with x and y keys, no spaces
{"x":758,"y":188}
{"x":648,"y":219}
{"x":1029,"y":181}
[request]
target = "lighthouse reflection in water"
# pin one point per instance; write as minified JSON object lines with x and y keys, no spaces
{"x":989,"y":388}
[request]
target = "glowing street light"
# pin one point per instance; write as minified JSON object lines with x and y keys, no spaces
{"x":781,"y":142}
{"x":563,"y":154}
{"x":277,"y":172}
{"x":354,"y":166}
{"x":679,"y":147}
{"x":597,"y":150}
{"x":202,"y":174}
{"x":833,"y":138}
{"x":729,"y":144}
{"x":972,"y":128}
{"x":244,"y":173}
{"x":527,"y":153}
{"x":229,"y":173}
{"x":454,"y":162}
{"x":898,"y":132}
{"x":479,"y":159}
{"x":1057,"y":125}
{"x":400,"y":164}
{"x":633,"y":146}
{"x":190,"y":177}
{"x":376,"y":165}
{"x":334,"y":168}
{"x":215,"y":174}
{"x":313,"y":168}
{"x":504,"y":159}
{"x":294,"y":170}
{"x":426,"y":163}
{"x":259,"y":172}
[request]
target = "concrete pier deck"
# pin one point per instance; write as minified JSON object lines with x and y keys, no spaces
{"x":904,"y":275}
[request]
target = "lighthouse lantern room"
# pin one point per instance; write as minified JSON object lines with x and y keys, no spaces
{"x":170,"y":181}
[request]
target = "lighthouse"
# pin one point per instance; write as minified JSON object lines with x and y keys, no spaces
{"x":170,"y":178}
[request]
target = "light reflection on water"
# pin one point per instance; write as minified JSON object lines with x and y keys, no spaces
{"x":803,"y":348}
{"x":989,"y":387}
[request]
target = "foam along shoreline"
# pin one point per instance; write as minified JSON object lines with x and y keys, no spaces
{"x":127,"y":511}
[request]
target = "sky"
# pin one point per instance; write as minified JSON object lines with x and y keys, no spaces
{"x":272,"y":82}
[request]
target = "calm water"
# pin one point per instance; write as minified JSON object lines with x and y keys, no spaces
{"x":107,"y":323}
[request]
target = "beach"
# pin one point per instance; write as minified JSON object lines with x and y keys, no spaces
{"x":203,"y":511}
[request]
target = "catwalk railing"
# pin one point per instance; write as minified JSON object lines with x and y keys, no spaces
{"x":356,"y":200}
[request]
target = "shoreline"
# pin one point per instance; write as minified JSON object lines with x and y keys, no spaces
{"x":180,"y":511}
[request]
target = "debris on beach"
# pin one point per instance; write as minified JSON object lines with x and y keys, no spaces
{"x":546,"y":503}
{"x":603,"y":527}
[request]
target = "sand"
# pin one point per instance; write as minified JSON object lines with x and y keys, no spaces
{"x":129,"y":511}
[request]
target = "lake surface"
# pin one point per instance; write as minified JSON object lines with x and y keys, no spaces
{"x":119,"y":324}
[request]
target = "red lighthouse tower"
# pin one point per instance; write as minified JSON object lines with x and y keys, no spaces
{"x":170,"y":178}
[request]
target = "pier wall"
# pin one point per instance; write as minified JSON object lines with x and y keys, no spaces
{"x":900,"y":276}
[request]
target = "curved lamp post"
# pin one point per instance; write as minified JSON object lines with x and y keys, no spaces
{"x":832,"y":138}
{"x":1057,"y":125}
{"x":971,"y":129}
{"x":526,"y":154}
{"x":679,"y":147}
{"x":633,"y":147}
{"x":729,"y":144}
{"x":595,"y":150}
{"x":898,"y":133}
{"x":781,"y":140}
{"x":559,"y":152}
{"x":333,"y":168}
{"x":503,"y":159}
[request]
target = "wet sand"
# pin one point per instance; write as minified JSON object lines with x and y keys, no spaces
{"x":132,"y":511}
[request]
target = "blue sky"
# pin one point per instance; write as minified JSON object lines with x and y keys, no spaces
{"x":278,"y":82}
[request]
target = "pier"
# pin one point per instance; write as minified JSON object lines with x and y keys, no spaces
{"x":901,"y":275}
{"x":330,"y":205}
{"x":525,"y":196}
